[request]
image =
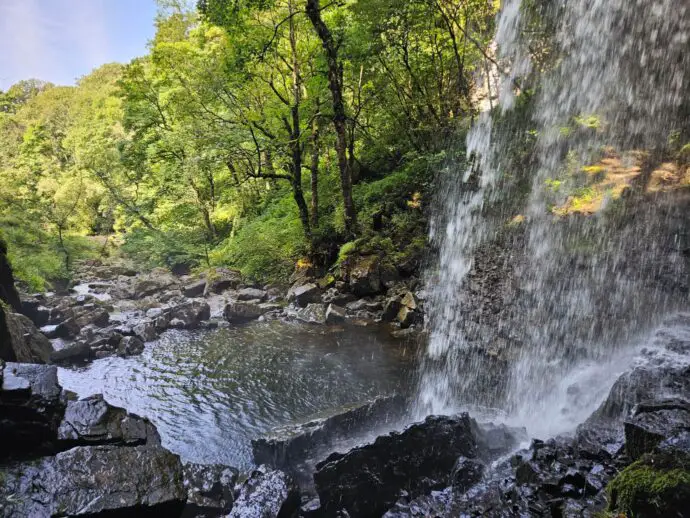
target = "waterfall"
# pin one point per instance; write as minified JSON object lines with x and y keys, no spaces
{"x":608,"y":94}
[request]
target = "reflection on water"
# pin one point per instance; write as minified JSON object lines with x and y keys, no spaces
{"x":209,"y":393}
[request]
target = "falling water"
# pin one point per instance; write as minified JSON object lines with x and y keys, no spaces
{"x":611,"y":94}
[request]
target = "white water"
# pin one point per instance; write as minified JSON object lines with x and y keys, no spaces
{"x":627,"y":62}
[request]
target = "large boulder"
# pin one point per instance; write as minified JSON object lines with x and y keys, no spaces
{"x":304,"y":294}
{"x":247,"y":294}
{"x":21,"y":341}
{"x":223,"y":279}
{"x":653,"y":422}
{"x":31,"y":408}
{"x":365,"y":276}
{"x":190,"y":314}
{"x":240,"y":312}
{"x":368,"y":480}
{"x":210,"y":489}
{"x":267,"y":494}
{"x":312,"y":314}
{"x":73,"y":353}
{"x":95,"y":480}
{"x":196,"y":289}
{"x":93,"y":421}
{"x":36,"y":311}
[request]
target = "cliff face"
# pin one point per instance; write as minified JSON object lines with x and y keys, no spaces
{"x":20,"y":341}
{"x":8,"y":293}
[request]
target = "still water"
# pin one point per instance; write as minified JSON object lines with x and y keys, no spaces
{"x":210,"y":392}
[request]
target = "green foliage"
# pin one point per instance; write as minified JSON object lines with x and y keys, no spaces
{"x":265,"y":247}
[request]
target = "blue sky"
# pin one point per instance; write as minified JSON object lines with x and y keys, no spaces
{"x":62,"y":40}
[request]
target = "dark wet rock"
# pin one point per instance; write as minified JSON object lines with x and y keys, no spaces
{"x":30,"y":408}
{"x":89,"y":480}
{"x":240,"y":312}
{"x":20,"y":340}
{"x":653,"y":422}
{"x":130,"y":346}
{"x":195,"y":289}
{"x":304,"y":294}
{"x":267,"y":494}
{"x":210,"y":489}
{"x":368,"y":480}
{"x":248,"y":294}
{"x":391,"y":309}
{"x":466,"y":473}
{"x":92,"y":421}
{"x":68,"y":329}
{"x":312,"y":314}
{"x":74,"y":352}
{"x":289,"y":447}
{"x":36,"y":311}
{"x":335,"y":314}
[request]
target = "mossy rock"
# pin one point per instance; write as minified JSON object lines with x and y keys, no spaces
{"x":654,"y":486}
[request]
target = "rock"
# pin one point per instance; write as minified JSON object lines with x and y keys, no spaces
{"x":466,"y":473}
{"x":130,"y":346}
{"x":223,"y":279}
{"x":240,"y":312}
{"x":146,"y":331}
{"x":195,"y":289}
{"x":304,"y":294}
{"x":267,"y":494}
{"x":335,"y":296}
{"x":407,"y":317}
{"x":248,"y":294}
{"x":312,"y":314}
{"x":357,"y":305}
{"x":21,"y":341}
{"x":92,"y":421}
{"x":409,"y":301}
{"x":368,"y":480}
{"x":151,"y":285}
{"x":98,"y":318}
{"x":76,"y":352}
{"x":391,"y":309}
{"x":31,"y":408}
{"x":154,"y":313}
{"x":365,"y":276}
{"x":190,"y":313}
{"x":8,"y":293}
{"x":36,"y":312}
{"x":288,"y":447}
{"x":210,"y":489}
{"x":90,"y":480}
{"x":335,"y":314}
{"x":653,"y":422}
{"x":496,"y":440}
{"x":68,"y":329}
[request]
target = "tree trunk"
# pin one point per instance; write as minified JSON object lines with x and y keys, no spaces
{"x":315,"y":171}
{"x":335,"y":75}
{"x":296,"y":134}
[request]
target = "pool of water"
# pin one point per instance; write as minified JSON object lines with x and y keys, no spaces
{"x":210,"y":392}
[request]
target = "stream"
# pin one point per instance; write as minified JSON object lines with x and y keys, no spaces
{"x":210,"y":392}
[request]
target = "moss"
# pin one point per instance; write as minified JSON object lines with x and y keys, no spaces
{"x":651,"y":487}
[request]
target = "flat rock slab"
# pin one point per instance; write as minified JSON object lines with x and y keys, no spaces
{"x":93,"y":421}
{"x":95,"y":479}
{"x":368,"y":480}
{"x":289,"y":447}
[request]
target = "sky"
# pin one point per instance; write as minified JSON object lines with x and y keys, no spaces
{"x":62,"y":40}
